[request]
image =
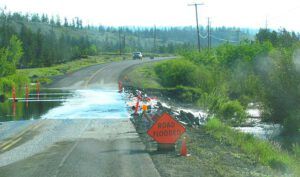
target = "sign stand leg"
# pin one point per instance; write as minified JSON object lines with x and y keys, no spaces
{"x":165,"y":147}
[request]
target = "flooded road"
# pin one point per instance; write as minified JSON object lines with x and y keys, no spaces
{"x":90,"y":104}
{"x":33,"y":107}
{"x":66,"y":104}
{"x":81,"y":129}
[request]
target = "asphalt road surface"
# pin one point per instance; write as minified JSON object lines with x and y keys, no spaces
{"x":99,"y":76}
{"x":76,"y":148}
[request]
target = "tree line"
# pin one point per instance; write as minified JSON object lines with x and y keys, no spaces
{"x":51,"y":40}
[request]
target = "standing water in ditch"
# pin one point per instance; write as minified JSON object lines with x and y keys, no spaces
{"x":64,"y":104}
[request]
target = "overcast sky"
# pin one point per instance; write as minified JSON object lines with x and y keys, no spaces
{"x":238,"y":13}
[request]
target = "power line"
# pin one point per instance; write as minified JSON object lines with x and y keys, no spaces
{"x":198,"y":33}
{"x":227,"y":40}
{"x":203,"y":37}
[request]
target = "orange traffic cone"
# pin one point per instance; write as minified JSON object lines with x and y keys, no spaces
{"x":120,"y":86}
{"x":14,"y":94}
{"x":38,"y":89}
{"x":183,"y":151}
{"x":27,"y":95}
{"x":137,"y":107}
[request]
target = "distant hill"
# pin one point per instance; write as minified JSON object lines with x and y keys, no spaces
{"x":47,"y":41}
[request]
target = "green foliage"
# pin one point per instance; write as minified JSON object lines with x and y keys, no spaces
{"x":283,"y":38}
{"x":185,"y":94}
{"x":213,"y":100}
{"x":292,"y":122}
{"x":19,"y":79}
{"x":260,"y":150}
{"x":6,"y":85}
{"x":232,"y":112}
{"x":230,"y":55}
{"x":15,"y":50}
{"x":44,"y":74}
{"x":182,"y":72}
{"x":10,"y":56}
{"x":230,"y":77}
{"x":281,"y":84}
{"x":178,"y":72}
{"x":16,"y":80}
{"x":48,"y":41}
{"x":296,"y":150}
{"x":5,"y":67}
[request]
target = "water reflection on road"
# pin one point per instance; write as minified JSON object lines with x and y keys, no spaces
{"x":33,"y":107}
{"x":65,"y":104}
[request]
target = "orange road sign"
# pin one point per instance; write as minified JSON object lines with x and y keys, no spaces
{"x":166,"y":130}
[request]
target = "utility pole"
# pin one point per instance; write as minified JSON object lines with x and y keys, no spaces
{"x":198,"y":32}
{"x":238,"y":35}
{"x":208,"y":34}
{"x":266,"y":23}
{"x":120,"y":43}
{"x":154,"y":39}
{"x":124,"y":43}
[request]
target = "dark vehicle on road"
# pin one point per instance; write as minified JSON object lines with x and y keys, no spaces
{"x":137,"y":55}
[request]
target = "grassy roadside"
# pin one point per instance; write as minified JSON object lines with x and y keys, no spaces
{"x":45,"y":74}
{"x":142,"y":77}
{"x":259,"y":150}
{"x":262,"y":152}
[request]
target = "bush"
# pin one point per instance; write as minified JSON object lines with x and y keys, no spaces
{"x":45,"y":80}
{"x":232,"y":112}
{"x":213,"y":100}
{"x":6,"y":85}
{"x":187,"y":94}
{"x":19,"y":80}
{"x":292,"y":123}
{"x":177,"y":72}
{"x":296,"y":150}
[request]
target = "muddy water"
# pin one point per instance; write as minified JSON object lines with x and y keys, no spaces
{"x":64,"y":104}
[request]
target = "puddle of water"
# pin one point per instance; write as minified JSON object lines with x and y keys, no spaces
{"x":35,"y":107}
{"x":90,"y":104}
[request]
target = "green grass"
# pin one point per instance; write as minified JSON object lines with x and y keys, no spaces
{"x":260,"y":150}
{"x":44,"y":74}
{"x":144,"y":77}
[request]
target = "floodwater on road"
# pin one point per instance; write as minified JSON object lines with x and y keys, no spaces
{"x":66,"y":104}
{"x":90,"y":104}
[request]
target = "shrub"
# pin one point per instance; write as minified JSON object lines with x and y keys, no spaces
{"x":296,"y":150}
{"x":232,"y":112}
{"x":19,"y":80}
{"x":6,"y":84}
{"x":45,"y":80}
{"x":177,"y":72}
{"x":292,"y":123}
